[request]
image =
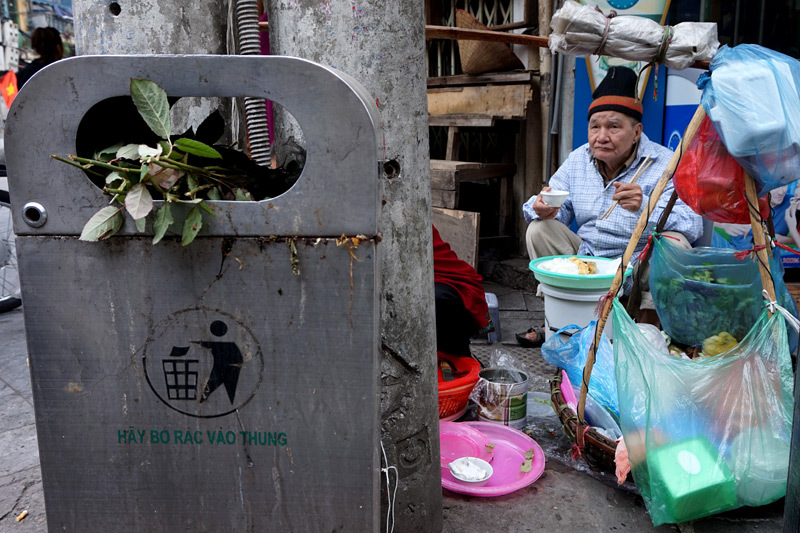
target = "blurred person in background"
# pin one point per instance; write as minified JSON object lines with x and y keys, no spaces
{"x":47,"y":43}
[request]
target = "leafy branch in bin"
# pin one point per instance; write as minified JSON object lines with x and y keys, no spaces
{"x":177,"y":170}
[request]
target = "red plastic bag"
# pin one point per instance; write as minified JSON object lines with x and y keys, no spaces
{"x":710,"y":181}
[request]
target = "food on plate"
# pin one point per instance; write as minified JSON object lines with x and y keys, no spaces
{"x":585,"y":268}
{"x":574,"y":266}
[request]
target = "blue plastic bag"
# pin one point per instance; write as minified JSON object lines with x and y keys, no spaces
{"x":752,"y":97}
{"x":571,"y":356}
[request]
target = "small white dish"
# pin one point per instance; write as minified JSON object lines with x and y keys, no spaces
{"x":554,"y":198}
{"x":464,"y":469}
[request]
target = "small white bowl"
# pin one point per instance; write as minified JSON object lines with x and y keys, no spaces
{"x":554,"y":198}
{"x":474,"y":461}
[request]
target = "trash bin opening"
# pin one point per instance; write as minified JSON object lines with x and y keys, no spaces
{"x":114,"y":123}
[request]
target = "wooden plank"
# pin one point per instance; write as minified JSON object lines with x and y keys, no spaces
{"x":453,"y":143}
{"x":444,"y":198}
{"x":447,"y":32}
{"x":447,"y":174}
{"x":460,"y":229}
{"x":452,"y":166}
{"x":461,"y":120}
{"x":443,"y":179}
{"x":500,"y":101}
{"x":525,"y":77}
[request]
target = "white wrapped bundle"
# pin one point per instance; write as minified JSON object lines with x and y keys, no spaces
{"x":580,"y":30}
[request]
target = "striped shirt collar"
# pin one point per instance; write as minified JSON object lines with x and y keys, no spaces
{"x":601,"y":167}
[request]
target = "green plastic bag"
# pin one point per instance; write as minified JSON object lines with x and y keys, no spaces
{"x":705,"y":436}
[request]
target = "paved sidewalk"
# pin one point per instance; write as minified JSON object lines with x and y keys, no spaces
{"x":20,"y":476}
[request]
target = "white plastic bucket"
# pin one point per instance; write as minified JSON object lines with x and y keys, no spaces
{"x":564,"y":307}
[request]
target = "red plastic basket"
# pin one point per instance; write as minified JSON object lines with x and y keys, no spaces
{"x":454,"y":395}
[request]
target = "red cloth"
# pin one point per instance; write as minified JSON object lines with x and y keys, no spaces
{"x":452,"y":271}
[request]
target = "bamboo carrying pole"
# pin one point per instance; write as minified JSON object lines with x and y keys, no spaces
{"x":759,"y":241}
{"x":689,"y":134}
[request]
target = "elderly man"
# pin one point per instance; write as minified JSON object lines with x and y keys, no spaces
{"x":600,"y":173}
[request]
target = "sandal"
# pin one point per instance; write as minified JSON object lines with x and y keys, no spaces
{"x":525,"y":342}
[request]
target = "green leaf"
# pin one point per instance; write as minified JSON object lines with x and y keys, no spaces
{"x":109,"y":152}
{"x":138,"y":201}
{"x":527,"y":464}
{"x":191,"y":182}
{"x":243,"y":196}
{"x":114,"y":176}
{"x":207,"y":208}
{"x":197,"y":148}
{"x":164,"y":177}
{"x":147,"y":151}
{"x":192,"y":225}
{"x":151,"y":102}
{"x":141,"y":223}
{"x":129,"y":151}
{"x":162,"y":223}
{"x":103,"y":224}
{"x":213,"y":194}
{"x":529,"y":454}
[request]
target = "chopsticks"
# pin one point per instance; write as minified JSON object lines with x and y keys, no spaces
{"x":639,"y":171}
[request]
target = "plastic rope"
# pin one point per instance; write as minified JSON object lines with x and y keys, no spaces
{"x":784,"y":247}
{"x":773,"y":306}
{"x":393,"y":497}
{"x":741,"y":255}
{"x":611,"y":15}
{"x":575,"y":451}
{"x":647,"y":246}
{"x":666,"y":40}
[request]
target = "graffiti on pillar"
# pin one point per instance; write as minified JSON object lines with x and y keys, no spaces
{"x":203,"y":363}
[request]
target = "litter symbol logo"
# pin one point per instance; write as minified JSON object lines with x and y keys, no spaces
{"x":203,"y":363}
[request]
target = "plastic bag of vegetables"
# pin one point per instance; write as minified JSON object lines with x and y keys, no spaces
{"x":703,"y":291}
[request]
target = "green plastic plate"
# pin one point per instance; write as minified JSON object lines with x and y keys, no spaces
{"x":574,"y":281}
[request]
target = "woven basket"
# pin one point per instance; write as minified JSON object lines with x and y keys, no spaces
{"x":478,"y":57}
{"x":599,"y":450}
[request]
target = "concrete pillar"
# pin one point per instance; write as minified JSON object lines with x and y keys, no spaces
{"x":156,"y":27}
{"x":382,"y":45}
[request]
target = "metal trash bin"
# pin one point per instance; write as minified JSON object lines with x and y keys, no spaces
{"x":209,"y":388}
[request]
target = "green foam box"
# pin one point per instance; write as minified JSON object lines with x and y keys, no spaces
{"x":690,"y":479}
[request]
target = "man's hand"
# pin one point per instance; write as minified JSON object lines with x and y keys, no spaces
{"x":542,"y":210}
{"x":629,"y":196}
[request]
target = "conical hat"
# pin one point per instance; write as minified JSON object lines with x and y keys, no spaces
{"x":478,"y":57}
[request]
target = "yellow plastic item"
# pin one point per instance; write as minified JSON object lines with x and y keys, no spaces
{"x":716,"y":344}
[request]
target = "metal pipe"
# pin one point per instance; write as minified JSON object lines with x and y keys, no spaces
{"x":255,"y":115}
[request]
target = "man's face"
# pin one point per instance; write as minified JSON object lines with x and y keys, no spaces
{"x":611,"y":136}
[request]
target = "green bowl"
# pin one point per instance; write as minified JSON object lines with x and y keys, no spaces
{"x":575,"y":281}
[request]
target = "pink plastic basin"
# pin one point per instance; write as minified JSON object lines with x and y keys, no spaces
{"x":508,"y":454}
